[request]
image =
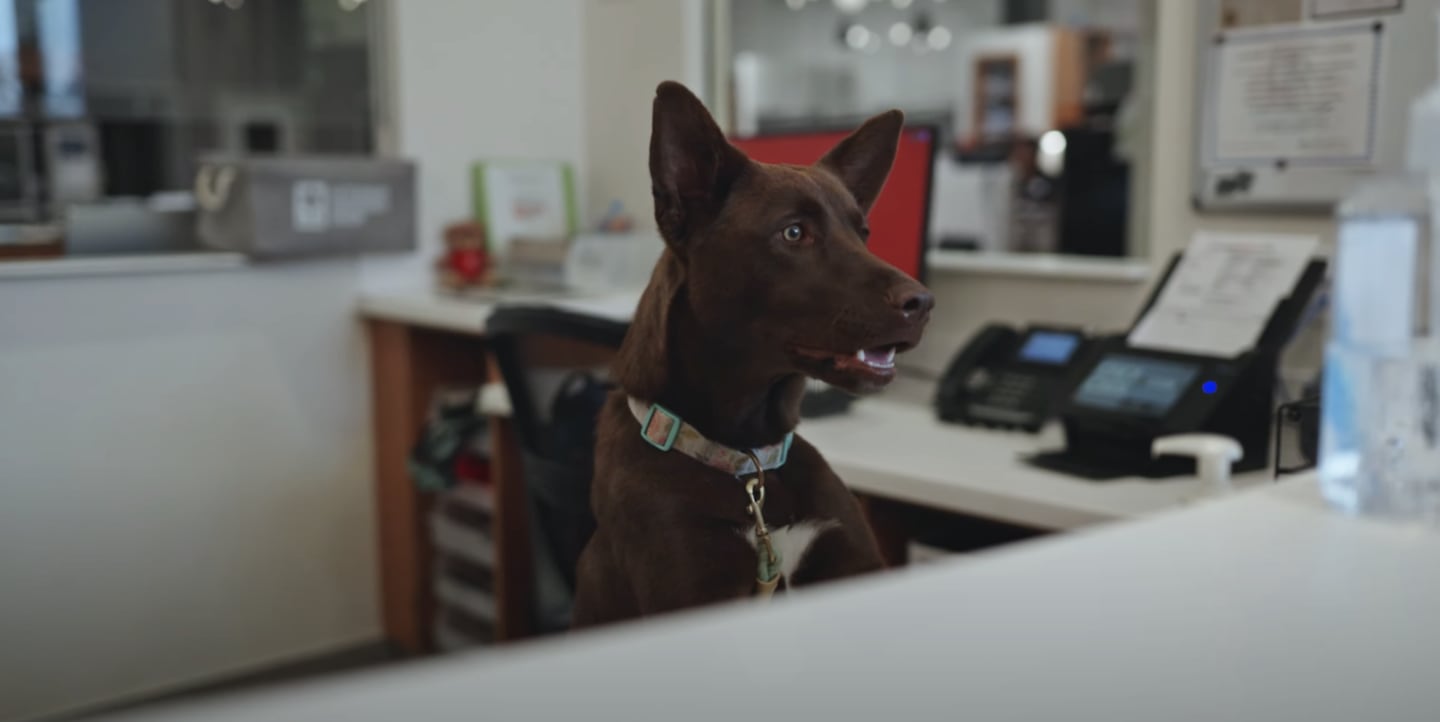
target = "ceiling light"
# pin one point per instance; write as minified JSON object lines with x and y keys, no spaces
{"x":938,"y":38}
{"x":901,"y":4}
{"x":900,"y":33}
{"x":1052,"y":142}
{"x":857,"y":37}
{"x":1051,"y":159}
{"x":850,"y":6}
{"x":795,"y":4}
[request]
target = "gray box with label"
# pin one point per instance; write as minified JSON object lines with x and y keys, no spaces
{"x":306,"y":206}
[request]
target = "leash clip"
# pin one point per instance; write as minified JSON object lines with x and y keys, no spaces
{"x":755,"y":490}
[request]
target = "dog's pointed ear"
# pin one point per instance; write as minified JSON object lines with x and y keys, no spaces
{"x":862,"y":161}
{"x":691,"y":164}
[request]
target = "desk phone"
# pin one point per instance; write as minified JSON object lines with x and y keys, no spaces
{"x":1010,"y":378}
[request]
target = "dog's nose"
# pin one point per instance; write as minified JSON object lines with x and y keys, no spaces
{"x":913,"y":301}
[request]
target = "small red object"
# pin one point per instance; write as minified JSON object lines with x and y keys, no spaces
{"x":472,"y":469}
{"x":465,"y":262}
{"x":469,"y":263}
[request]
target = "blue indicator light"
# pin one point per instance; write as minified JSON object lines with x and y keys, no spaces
{"x":1209,"y":387}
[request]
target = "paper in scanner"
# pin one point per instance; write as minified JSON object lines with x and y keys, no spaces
{"x":1223,"y":293}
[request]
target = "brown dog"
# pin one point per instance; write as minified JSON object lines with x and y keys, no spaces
{"x":765,"y":280}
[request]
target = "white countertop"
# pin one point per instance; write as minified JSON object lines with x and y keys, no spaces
{"x":902,"y":451}
{"x":122,"y":265}
{"x":431,"y":308}
{"x":1041,"y":265}
{"x":1260,"y":606}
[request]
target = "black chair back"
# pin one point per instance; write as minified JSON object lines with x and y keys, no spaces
{"x":554,"y":364}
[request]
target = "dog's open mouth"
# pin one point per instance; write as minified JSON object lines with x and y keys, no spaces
{"x":866,"y":369}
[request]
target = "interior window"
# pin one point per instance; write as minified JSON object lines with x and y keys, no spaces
{"x":106,"y":107}
{"x":1036,"y":104}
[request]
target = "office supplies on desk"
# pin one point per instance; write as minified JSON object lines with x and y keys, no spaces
{"x":465,"y":262}
{"x":1009,"y":378}
{"x":1145,"y":385}
{"x":286,"y":207}
{"x":1213,"y":455}
{"x":601,"y":262}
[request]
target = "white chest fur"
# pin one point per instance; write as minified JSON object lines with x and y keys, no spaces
{"x":792,"y":541}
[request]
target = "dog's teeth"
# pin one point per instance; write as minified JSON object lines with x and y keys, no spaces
{"x":885,"y":361}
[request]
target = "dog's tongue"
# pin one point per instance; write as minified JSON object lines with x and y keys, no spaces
{"x":880,"y":358}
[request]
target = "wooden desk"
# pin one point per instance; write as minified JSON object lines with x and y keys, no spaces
{"x":421,"y":341}
{"x":409,"y":362}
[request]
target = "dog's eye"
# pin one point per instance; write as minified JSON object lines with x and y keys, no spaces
{"x":793,"y":233}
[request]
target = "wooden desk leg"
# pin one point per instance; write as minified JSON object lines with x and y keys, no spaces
{"x":515,"y":572}
{"x":399,"y":401}
{"x":888,"y":525}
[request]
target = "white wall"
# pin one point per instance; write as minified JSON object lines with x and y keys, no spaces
{"x":473,"y":81}
{"x":1172,"y":219}
{"x":184,"y":479}
{"x":620,"y":72}
{"x":185,"y":460}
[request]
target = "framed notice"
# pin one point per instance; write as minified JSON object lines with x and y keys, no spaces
{"x":1300,"y":96}
{"x":533,"y":200}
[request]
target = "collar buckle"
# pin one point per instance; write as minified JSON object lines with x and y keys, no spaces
{"x":670,"y":436}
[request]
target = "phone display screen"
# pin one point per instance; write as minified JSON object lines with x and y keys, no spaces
{"x":1049,"y":347}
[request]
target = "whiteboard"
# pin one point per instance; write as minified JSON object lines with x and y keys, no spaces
{"x":1296,"y":100}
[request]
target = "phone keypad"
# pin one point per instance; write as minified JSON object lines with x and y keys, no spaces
{"x":1011,"y":389}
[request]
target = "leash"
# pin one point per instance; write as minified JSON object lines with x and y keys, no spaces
{"x":666,"y":431}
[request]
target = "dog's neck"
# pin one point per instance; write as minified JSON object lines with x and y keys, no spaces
{"x":712,"y":387}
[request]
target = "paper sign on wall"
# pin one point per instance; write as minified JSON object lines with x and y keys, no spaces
{"x":1302,"y":96}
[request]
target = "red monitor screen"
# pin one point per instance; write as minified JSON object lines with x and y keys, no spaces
{"x":899,"y":218}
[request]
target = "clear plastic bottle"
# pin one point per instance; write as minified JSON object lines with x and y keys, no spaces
{"x":1380,"y":434}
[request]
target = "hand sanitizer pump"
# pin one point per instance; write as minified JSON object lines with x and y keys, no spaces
{"x":1213,"y":455}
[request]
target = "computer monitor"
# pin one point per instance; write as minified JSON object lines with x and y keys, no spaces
{"x":900,"y":218}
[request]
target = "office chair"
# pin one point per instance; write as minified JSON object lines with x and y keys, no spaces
{"x":554,"y":364}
